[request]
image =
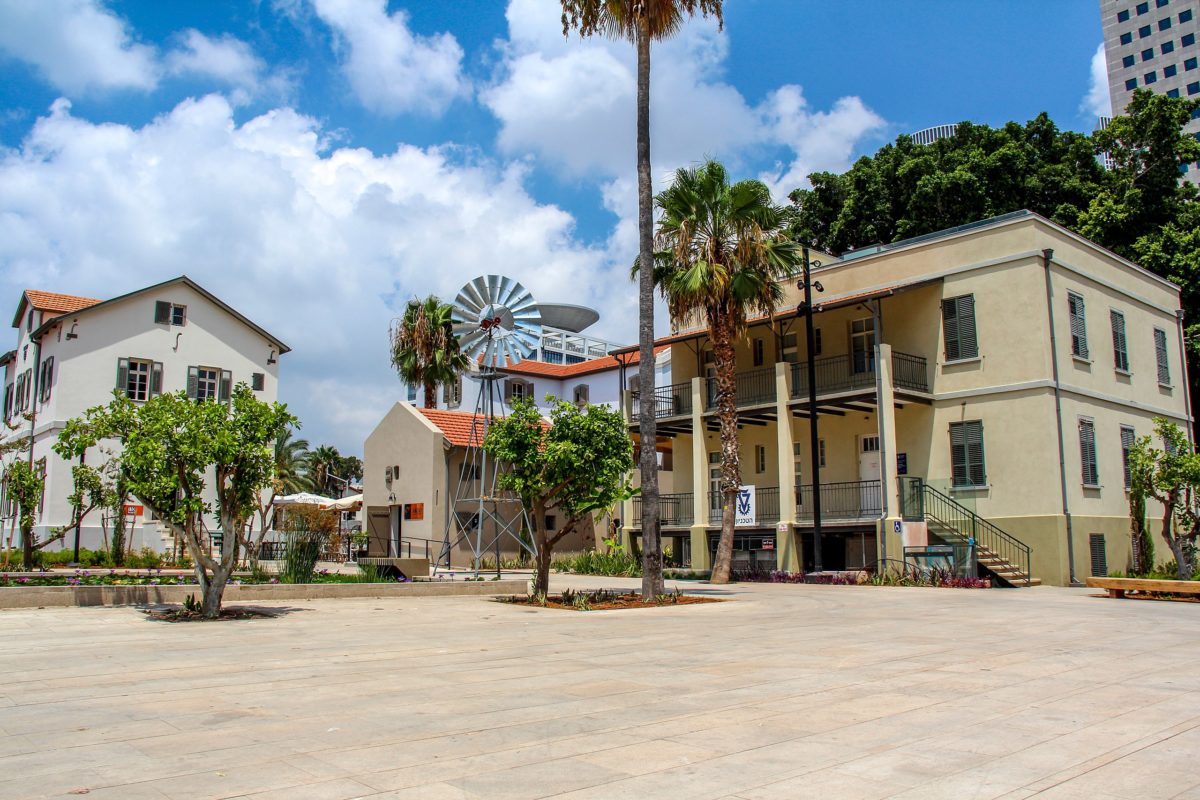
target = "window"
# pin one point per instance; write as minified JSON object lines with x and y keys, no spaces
{"x":1169,"y":72}
{"x":46,"y":379}
{"x":582,"y":393}
{"x":412,"y":393}
{"x":1189,"y":64}
{"x":821,"y":453}
{"x":714,"y":485}
{"x":1185,"y":16}
{"x":8,"y":401}
{"x":257,"y":381}
{"x":869,"y":444}
{"x":1126,"y":38}
{"x":550,"y":522}
{"x":516,"y":389}
{"x":797,"y":460}
{"x":1099,"y":557}
{"x":139,"y":378}
{"x":1127,"y":439}
{"x":1167,"y":47}
{"x":169,"y":313}
{"x":1123,"y":16}
{"x":790,"y":352}
{"x":29,"y":321}
{"x":1193,"y":88}
{"x":966,"y":454}
{"x":1078,"y":325}
{"x":959,"y":329}
{"x":862,"y":345}
{"x":1148,"y":54}
{"x":1160,"y":357}
{"x":1127,"y":61}
{"x":1188,"y":40}
{"x":760,"y":459}
{"x":816,"y":341}
{"x":1131,"y":84}
{"x":1143,"y":31}
{"x":452,"y":392}
{"x":1142,"y":8}
{"x":1161,"y":3}
{"x":1164,"y":24}
{"x":1173,"y":93}
{"x":1087,"y":452}
{"x":1149,"y":78}
{"x":1120,"y":350}
{"x":758,"y":351}
{"x":208,"y":383}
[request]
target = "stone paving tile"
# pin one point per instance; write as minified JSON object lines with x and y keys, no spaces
{"x":785,"y":692}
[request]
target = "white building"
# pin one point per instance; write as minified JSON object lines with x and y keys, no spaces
{"x":1152,"y":44}
{"x":73,"y":352}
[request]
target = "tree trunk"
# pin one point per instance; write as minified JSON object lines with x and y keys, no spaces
{"x":541,"y":578}
{"x":652,"y":560}
{"x":725,"y":364}
{"x":430,"y":394}
{"x":27,"y":546}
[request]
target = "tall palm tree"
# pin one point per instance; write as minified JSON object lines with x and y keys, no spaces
{"x":425,"y":349}
{"x":323,"y":462}
{"x":722,"y":251}
{"x":641,"y":22}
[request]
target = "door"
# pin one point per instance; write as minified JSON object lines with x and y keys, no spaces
{"x":378,"y":524}
{"x":394,"y":533}
{"x":869,"y":474}
{"x":862,"y":345}
{"x":714,"y":487}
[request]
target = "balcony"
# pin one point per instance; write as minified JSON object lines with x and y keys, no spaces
{"x":848,"y":500}
{"x":754,"y":388}
{"x":674,"y":510}
{"x":669,"y":401}
{"x":766,"y":507}
{"x":848,"y":373}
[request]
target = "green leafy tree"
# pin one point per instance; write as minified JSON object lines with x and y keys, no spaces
{"x":26,"y":484}
{"x":579,"y":464}
{"x":98,"y":486}
{"x":323,"y":465}
{"x":424,"y":348}
{"x":642,"y":22}
{"x":1171,"y":476}
{"x":722,"y":251}
{"x":174,"y":449}
{"x":289,"y":477}
{"x":1142,"y":545}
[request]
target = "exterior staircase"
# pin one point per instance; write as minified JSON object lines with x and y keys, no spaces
{"x":1000,"y":553}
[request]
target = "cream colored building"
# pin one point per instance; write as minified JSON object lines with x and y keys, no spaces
{"x":981,"y":382}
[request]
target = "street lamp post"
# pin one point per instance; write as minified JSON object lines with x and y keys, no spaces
{"x":807,"y":284}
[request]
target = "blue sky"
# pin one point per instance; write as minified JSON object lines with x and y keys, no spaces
{"x":317,"y":162}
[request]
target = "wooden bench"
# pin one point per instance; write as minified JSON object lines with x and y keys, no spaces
{"x":1117,"y":587}
{"x":411,"y":568}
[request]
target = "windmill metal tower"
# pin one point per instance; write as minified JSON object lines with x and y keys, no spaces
{"x":497,"y":323}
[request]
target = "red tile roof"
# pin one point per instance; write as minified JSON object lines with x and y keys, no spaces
{"x":461,"y":428}
{"x":574,"y":370}
{"x":58,"y":303}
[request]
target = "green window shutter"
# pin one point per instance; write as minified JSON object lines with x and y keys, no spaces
{"x":47,"y":380}
{"x":1160,"y":356}
{"x":1075,"y":310}
{"x":123,"y":374}
{"x":1099,"y":556}
{"x":156,"y":370}
{"x":162,"y":312}
{"x":950,"y":328}
{"x":1127,"y":439}
{"x":193,"y":384}
{"x":1120,"y":346}
{"x":257,"y":381}
{"x":958,"y":325}
{"x":224,"y":387}
{"x":966,"y":454}
{"x":1087,"y":453}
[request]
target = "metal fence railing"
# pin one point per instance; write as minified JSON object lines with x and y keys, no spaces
{"x":674,"y":510}
{"x":843,"y":500}
{"x":754,"y":387}
{"x":669,"y":401}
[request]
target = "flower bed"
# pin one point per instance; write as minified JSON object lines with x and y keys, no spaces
{"x":605,"y":600}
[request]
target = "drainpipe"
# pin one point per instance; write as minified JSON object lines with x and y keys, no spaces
{"x":1183,"y":365}
{"x":1047,"y":256}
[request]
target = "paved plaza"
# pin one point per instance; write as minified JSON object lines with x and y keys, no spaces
{"x":783,"y":692}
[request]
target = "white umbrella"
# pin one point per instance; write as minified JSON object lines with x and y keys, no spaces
{"x":349,"y":503}
{"x":303,"y":499}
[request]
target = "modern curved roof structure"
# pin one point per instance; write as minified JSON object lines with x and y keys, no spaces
{"x":568,"y":317}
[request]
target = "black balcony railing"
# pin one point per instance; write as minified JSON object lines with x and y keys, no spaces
{"x":850,"y":372}
{"x":766,"y":507}
{"x":753,"y":388}
{"x":669,"y":401}
{"x":845,"y":500}
{"x":674,"y":510}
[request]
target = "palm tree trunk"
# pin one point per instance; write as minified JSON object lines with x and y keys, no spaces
{"x":725,"y":364}
{"x":652,"y":562}
{"x":430,"y":394}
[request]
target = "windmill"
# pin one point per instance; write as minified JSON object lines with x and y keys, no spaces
{"x":497,"y":323}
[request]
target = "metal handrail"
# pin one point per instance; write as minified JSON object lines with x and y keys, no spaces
{"x":669,"y":401}
{"x":673,"y":509}
{"x":751,"y":388}
{"x":843,"y":373}
{"x":842,"y":500}
{"x":766,"y":507}
{"x":949,"y":513}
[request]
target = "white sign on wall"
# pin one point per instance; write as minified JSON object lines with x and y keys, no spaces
{"x":746,"y":512}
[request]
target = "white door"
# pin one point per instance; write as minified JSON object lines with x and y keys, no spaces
{"x":394,"y":533}
{"x":868,"y":470}
{"x":715,"y":498}
{"x":862,"y":345}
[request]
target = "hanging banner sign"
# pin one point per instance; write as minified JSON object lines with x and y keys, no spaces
{"x":746,"y":512}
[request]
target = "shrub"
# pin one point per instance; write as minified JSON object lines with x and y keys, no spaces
{"x":302,"y":549}
{"x":617,"y":562}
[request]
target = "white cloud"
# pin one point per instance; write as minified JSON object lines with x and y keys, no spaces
{"x":224,"y":59}
{"x":78,"y":45}
{"x":1097,"y":102}
{"x":571,"y":102}
{"x":391,"y":69}
{"x":321,"y":248}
